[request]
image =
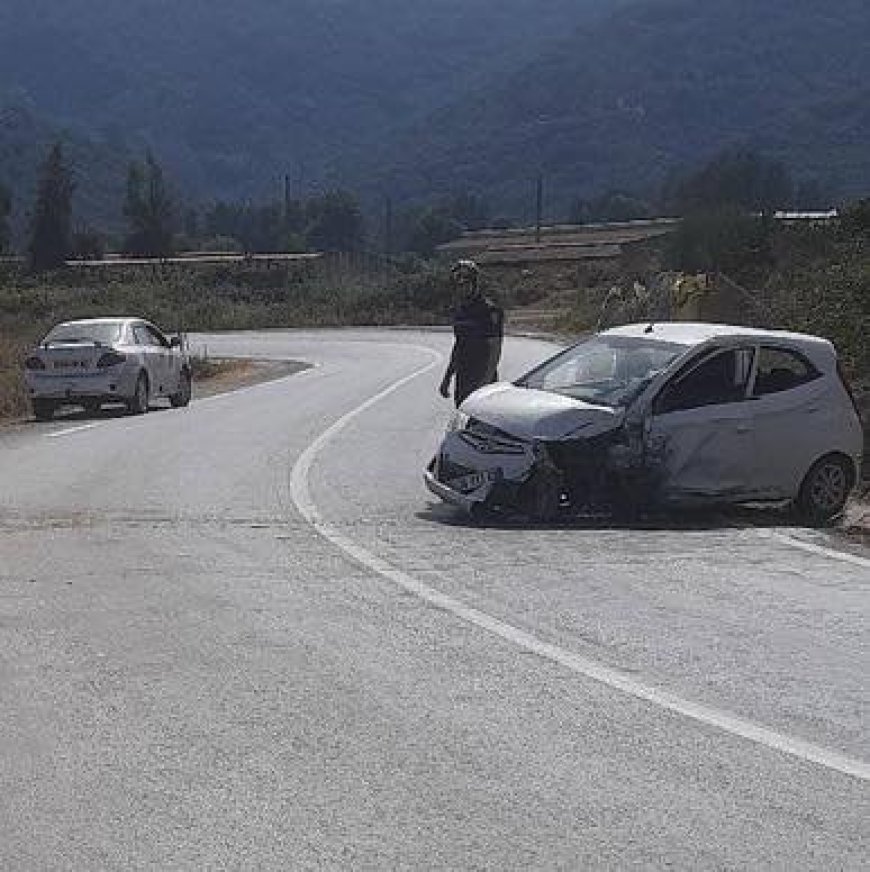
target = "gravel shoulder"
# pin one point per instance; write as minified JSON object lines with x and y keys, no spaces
{"x":230,"y":374}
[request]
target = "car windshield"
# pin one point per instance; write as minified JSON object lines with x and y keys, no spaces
{"x":605,"y":370}
{"x":105,"y":332}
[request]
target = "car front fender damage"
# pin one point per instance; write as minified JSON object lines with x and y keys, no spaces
{"x":610,"y":473}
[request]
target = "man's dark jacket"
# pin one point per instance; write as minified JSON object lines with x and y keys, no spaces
{"x":478,"y":326}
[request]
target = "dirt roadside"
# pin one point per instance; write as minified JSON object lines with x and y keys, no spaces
{"x":226,"y":374}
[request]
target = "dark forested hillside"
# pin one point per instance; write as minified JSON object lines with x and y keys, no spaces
{"x":99,"y":169}
{"x":234,"y":94}
{"x":423,"y":98}
{"x":658,"y":86}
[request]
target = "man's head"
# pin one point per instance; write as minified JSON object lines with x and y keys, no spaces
{"x":466,"y":277}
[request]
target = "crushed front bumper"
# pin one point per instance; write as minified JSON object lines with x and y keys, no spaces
{"x":468,"y":473}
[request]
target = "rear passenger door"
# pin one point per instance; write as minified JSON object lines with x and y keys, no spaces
{"x":793,"y":416}
{"x":160,"y":354}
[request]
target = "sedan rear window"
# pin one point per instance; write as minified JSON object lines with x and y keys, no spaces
{"x":605,"y":370}
{"x":105,"y":333}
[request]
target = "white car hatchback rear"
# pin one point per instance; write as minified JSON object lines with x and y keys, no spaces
{"x":106,"y":360}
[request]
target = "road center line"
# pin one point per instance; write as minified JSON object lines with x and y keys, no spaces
{"x":301,"y":495}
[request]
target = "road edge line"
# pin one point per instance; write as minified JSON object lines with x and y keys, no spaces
{"x":726,"y":722}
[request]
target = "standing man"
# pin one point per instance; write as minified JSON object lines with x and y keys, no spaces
{"x":478,"y":328}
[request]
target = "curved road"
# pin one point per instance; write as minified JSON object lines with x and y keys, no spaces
{"x":242,"y":635}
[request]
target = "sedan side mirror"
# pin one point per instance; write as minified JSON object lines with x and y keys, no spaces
{"x":175,"y":342}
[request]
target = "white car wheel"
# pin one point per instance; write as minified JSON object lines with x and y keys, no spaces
{"x":826,"y":488}
{"x":138,"y":403}
{"x":182,"y":397}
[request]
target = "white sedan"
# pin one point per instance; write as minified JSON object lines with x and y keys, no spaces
{"x":106,"y":360}
{"x":660,"y":414}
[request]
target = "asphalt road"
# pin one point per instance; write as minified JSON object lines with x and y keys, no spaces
{"x":242,"y":635}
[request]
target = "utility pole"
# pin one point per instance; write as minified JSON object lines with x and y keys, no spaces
{"x":287,"y":199}
{"x":388,"y":225}
{"x":539,"y":207}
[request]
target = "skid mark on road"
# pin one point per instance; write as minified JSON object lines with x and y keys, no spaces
{"x":726,"y":722}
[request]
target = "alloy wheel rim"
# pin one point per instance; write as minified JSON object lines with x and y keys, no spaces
{"x":829,"y":486}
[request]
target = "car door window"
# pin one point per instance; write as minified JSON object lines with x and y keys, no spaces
{"x":781,"y":369}
{"x":140,"y":334}
{"x":156,"y":339}
{"x":719,"y":378}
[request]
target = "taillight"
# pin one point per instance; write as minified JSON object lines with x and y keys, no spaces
{"x":848,"y":388}
{"x":34,"y":362}
{"x":111,"y":358}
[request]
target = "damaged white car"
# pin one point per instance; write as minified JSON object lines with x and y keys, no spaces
{"x":655,"y":416}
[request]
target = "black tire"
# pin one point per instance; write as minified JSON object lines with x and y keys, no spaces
{"x":826,"y":489}
{"x":540,"y":496}
{"x":138,"y":403}
{"x":182,"y":398}
{"x":43,"y":410}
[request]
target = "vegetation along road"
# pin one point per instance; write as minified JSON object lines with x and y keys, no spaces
{"x":262,"y":644}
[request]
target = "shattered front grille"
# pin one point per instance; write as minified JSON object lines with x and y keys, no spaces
{"x":490,"y":440}
{"x":447,"y":470}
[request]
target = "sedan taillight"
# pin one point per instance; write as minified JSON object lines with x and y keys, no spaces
{"x":111,"y":358}
{"x":34,"y":362}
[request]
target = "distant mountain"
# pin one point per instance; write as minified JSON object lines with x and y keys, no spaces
{"x":234,"y":95}
{"x":656,"y":87}
{"x":421,"y":98}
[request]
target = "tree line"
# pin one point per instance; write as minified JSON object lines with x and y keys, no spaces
{"x":157,"y":226}
{"x":731,"y":189}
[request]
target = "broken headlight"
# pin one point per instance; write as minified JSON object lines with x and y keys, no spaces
{"x":459,"y":421}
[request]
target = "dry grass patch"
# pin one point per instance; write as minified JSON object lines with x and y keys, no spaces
{"x":13,"y":395}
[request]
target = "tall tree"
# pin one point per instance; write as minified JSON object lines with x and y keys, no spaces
{"x":149,"y":209}
{"x":335,"y":222}
{"x":51,"y":230}
{"x":5,"y":210}
{"x":737,"y":179}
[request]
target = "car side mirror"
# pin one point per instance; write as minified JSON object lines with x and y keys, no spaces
{"x":175,"y":342}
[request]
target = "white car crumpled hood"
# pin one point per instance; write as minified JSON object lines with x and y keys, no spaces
{"x":539,"y":415}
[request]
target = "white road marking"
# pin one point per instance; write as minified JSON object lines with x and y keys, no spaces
{"x":724,"y":721}
{"x":70,"y":430}
{"x":821,"y":550}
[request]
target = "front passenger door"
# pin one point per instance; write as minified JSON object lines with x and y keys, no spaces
{"x":700,"y":434}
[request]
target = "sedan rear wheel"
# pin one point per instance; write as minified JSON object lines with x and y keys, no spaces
{"x":825,"y":490}
{"x":182,"y":397}
{"x":43,"y":410}
{"x":138,"y":403}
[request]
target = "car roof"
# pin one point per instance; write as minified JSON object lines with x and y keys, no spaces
{"x":118,"y":320}
{"x":697,"y":333}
